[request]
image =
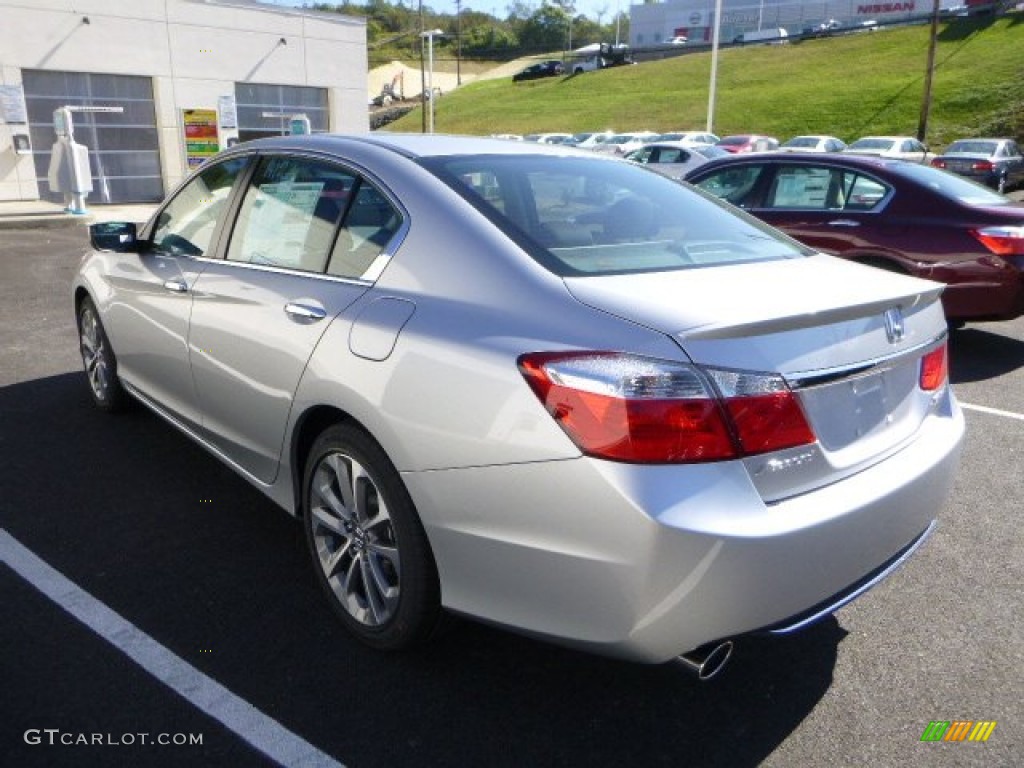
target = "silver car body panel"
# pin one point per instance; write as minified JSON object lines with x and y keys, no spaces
{"x":641,"y":561}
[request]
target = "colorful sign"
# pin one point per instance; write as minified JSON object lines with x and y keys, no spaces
{"x":201,"y":140}
{"x":958,"y":730}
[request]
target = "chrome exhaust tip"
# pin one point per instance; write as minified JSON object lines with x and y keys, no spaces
{"x":707,"y":661}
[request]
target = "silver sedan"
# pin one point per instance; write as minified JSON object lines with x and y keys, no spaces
{"x":531,"y":385}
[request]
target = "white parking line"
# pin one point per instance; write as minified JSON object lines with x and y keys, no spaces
{"x":262,"y":732}
{"x":993,"y":411}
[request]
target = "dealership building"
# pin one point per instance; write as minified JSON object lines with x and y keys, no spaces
{"x":156,"y":86}
{"x":654,"y":23}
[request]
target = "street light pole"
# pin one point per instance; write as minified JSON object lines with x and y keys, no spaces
{"x":714,"y":66}
{"x":430,"y":34}
{"x":458,"y":42}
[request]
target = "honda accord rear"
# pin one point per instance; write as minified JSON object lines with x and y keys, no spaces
{"x":558,"y":393}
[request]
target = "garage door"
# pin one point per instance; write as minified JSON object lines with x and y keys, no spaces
{"x":123,"y":147}
{"x":263,"y":110}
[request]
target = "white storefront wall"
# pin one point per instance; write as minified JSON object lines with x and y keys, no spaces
{"x":194,"y":51}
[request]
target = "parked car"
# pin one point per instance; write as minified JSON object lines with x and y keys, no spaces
{"x":677,"y":40}
{"x":892,"y":214}
{"x":689,"y":137}
{"x":591,"y":140}
{"x":813,"y":144}
{"x":540,"y":69}
{"x":673,"y":158}
{"x":747,"y":142}
{"x":548,"y":138}
{"x":897,"y":147}
{"x":624,"y":143}
{"x":822,"y":29}
{"x":997,"y":163}
{"x":528,"y":384}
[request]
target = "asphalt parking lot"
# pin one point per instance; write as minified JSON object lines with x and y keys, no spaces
{"x":206,"y":620}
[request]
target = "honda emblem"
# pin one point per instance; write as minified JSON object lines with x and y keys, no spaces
{"x":894,"y":329}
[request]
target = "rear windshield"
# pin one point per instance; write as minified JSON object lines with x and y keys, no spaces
{"x":594,"y":216}
{"x":950,"y":184}
{"x":873,"y":144}
{"x":971,"y":148}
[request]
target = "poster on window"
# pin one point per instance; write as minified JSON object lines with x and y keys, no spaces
{"x":201,"y":140}
{"x":280,"y":221}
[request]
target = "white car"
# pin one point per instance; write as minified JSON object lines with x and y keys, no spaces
{"x":624,"y":143}
{"x":897,"y":147}
{"x":813,"y":144}
{"x":692,"y":138}
{"x":674,"y":158}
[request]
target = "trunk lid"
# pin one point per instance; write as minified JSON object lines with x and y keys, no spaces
{"x":847,"y":338}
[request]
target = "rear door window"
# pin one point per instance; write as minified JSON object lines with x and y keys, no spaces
{"x":369,"y":225}
{"x":290,"y":214}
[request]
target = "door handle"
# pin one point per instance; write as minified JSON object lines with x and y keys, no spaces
{"x":176,"y":285}
{"x":307,"y":312}
{"x":844,"y":223}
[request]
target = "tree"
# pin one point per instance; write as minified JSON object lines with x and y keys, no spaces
{"x":545,"y":29}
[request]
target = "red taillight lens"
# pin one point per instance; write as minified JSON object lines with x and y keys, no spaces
{"x":1002,"y":241}
{"x":984,"y":166}
{"x":629,"y":408}
{"x":938,"y":163}
{"x":934,"y":369}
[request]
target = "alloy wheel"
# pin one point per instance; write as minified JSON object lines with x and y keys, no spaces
{"x":354,"y":539}
{"x":95,"y":354}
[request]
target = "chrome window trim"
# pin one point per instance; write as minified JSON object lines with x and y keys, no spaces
{"x":291,"y":271}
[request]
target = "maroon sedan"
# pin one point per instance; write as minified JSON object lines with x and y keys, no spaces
{"x":747,"y":142}
{"x":899,"y":216}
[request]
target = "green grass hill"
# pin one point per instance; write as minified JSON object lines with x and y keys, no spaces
{"x":846,"y":86}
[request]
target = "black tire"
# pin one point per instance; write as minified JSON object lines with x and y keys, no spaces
{"x":99,"y":360}
{"x":368,"y":547}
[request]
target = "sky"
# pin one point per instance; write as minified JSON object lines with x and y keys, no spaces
{"x":499,"y":8}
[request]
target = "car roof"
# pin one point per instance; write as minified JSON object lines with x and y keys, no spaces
{"x":887,"y":138}
{"x":860,"y":162}
{"x":412,"y":145}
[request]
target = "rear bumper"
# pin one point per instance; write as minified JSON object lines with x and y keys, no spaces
{"x":647,"y":562}
{"x":982,"y":292}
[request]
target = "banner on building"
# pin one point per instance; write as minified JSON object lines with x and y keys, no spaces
{"x":201,"y":139}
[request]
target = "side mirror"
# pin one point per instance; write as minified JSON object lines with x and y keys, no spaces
{"x":113,"y":236}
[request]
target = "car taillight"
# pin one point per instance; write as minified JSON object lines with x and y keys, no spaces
{"x":934,"y":369}
{"x":637,"y":409}
{"x":984,"y":166}
{"x":1002,"y":240}
{"x":938,"y":163}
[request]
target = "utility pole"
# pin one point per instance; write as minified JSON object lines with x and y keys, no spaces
{"x":926,"y":101}
{"x":712,"y":86}
{"x":458,"y":42}
{"x":423,"y":77}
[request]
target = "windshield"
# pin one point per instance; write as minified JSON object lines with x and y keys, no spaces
{"x":802,"y":141}
{"x":594,"y":216}
{"x":950,"y":184}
